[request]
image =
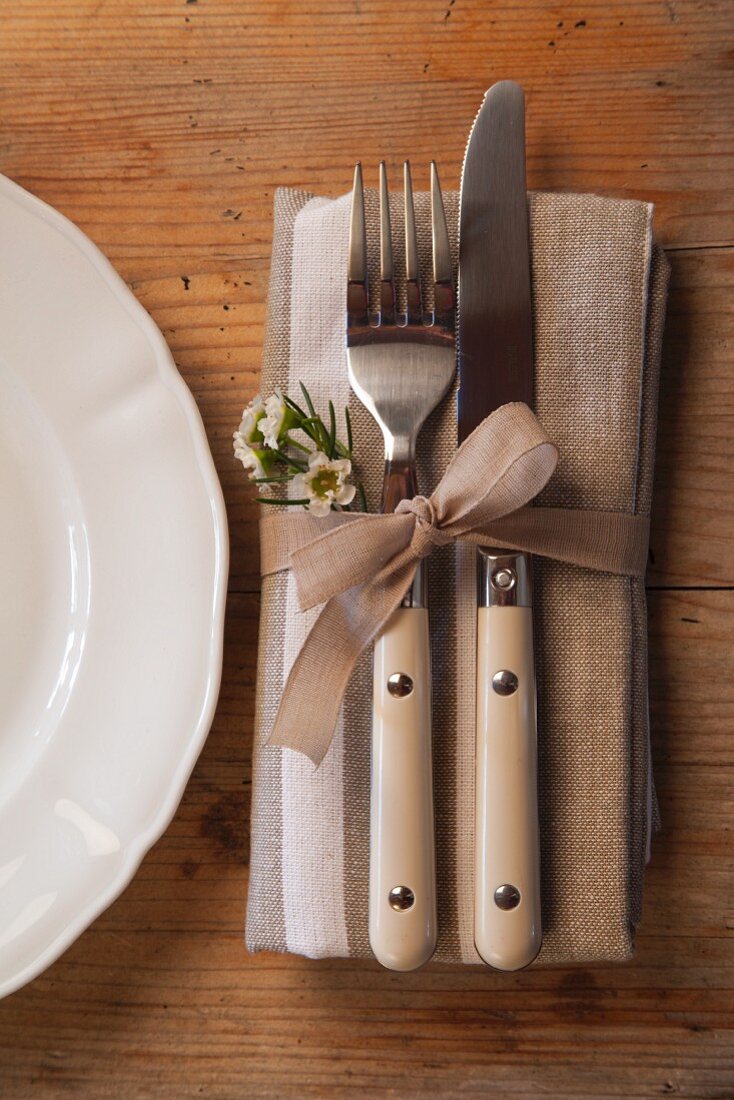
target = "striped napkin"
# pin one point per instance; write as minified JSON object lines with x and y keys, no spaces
{"x":599,"y":288}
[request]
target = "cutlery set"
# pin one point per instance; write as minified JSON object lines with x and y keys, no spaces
{"x":400,"y":366}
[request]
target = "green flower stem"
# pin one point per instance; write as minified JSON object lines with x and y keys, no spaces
{"x":291,"y":463}
{"x":315,"y":430}
{"x":318,"y":433}
{"x":310,"y":427}
{"x":296,"y":444}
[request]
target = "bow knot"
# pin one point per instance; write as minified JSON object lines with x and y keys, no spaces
{"x":427,"y":535}
{"x":357,"y":567}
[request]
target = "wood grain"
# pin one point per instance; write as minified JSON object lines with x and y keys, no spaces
{"x":162,"y":129}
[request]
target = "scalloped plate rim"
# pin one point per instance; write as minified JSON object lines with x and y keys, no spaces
{"x":136,"y":849}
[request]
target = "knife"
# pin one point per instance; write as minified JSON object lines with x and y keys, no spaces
{"x":495,"y":348}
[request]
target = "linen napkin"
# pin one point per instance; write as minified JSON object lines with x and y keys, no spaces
{"x":599,"y":288}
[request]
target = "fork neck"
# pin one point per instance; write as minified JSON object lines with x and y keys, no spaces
{"x":399,"y":481}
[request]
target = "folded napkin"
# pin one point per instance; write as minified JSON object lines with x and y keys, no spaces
{"x":599,"y":287}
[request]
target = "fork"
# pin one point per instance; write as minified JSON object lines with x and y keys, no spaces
{"x":400,"y":366}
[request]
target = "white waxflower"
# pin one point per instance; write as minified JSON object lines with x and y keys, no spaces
{"x":250,"y":458}
{"x":324,"y":483}
{"x":250,"y":427}
{"x":248,"y":440}
{"x":272,"y":423}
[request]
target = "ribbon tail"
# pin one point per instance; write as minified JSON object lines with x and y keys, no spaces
{"x":348,"y":623}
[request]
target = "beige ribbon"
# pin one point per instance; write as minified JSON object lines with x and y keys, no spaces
{"x":360,"y":566}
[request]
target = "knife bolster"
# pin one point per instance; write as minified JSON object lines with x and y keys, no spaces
{"x":504,"y":578}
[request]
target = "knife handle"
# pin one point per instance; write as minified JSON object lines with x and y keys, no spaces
{"x":507,"y":925}
{"x":402,"y":896}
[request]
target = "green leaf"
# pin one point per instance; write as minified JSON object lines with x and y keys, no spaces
{"x":276,"y":500}
{"x":309,"y":402}
{"x":350,"y":440}
{"x":323,"y":436}
{"x":332,"y":430}
{"x":362,"y":497}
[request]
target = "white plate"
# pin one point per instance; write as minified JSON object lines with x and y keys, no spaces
{"x":113,"y":566}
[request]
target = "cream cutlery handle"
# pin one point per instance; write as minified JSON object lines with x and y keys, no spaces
{"x":402,"y":851}
{"x":507,"y":932}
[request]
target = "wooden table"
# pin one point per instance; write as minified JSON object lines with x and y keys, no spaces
{"x":162,"y":129}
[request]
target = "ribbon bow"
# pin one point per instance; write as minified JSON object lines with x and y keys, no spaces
{"x":359,"y":566}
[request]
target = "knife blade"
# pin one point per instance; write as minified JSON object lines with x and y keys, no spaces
{"x":495,"y":352}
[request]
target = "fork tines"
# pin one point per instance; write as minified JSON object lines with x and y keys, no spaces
{"x":359,"y":314}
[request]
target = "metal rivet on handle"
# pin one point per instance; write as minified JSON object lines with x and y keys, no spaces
{"x":507,"y":896}
{"x":399,"y":685}
{"x":401,"y":898}
{"x":505,"y":682}
{"x":504,"y":579}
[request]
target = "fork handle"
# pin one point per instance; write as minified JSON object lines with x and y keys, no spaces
{"x":402,"y":896}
